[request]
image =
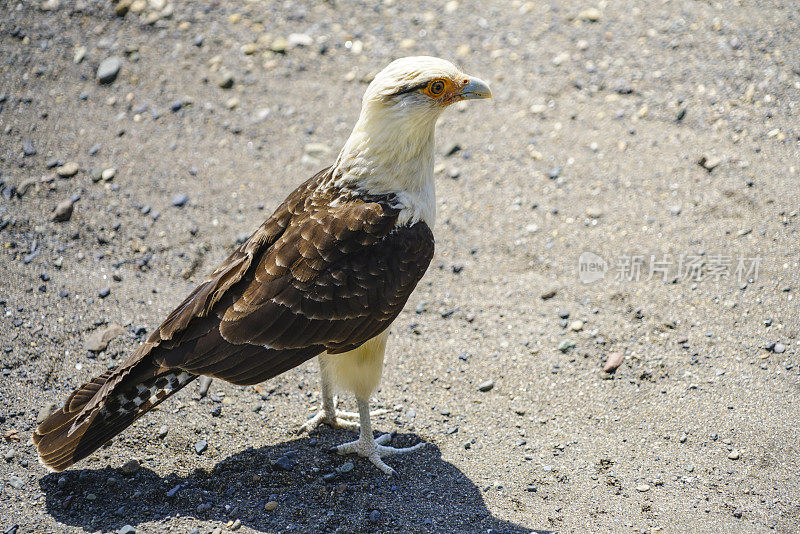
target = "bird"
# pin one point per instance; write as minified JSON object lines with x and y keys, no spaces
{"x":324,"y":276}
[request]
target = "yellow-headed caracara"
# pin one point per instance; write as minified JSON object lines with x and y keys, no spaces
{"x":324,"y":276}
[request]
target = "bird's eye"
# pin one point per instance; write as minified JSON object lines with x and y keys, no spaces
{"x":436,"y":88}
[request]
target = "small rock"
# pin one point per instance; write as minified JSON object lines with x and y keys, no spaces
{"x":270,"y":506}
{"x":709,"y":163}
{"x":63,"y":211}
{"x":108,"y":69}
{"x":486,"y":385}
{"x":226,"y":81}
{"x":201,"y":446}
{"x":779,"y":348}
{"x":317,"y":149}
{"x":594,"y":213}
{"x":163,"y":431}
{"x":563,"y":314}
{"x":16,"y":482}
{"x":103,"y":293}
{"x":734,"y":455}
{"x":108,"y":174}
{"x":80,"y":54}
{"x":675,"y":210}
{"x":643,"y":487}
{"x":68,"y":169}
{"x":548,"y":293}
{"x":451,"y":149}
{"x":613,"y":362}
{"x":279,"y":45}
{"x":576,"y":326}
{"x":300,"y":39}
{"x":180,"y":200}
{"x":591,"y":14}
{"x":346,"y":467}
{"x":130,"y":467}
{"x":566,"y":345}
{"x":100,"y":338}
{"x":236,"y":525}
{"x":127,"y":529}
{"x":375,"y":516}
{"x":27,"y":148}
{"x":285,"y":463}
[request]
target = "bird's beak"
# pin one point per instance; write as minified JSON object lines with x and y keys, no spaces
{"x":475,"y":88}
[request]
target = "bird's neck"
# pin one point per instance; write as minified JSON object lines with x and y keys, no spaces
{"x":390,"y":152}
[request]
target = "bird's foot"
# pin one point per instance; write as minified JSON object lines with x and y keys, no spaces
{"x":375,"y":449}
{"x":335,"y":419}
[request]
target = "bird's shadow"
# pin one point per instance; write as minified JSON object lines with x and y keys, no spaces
{"x":319,"y":492}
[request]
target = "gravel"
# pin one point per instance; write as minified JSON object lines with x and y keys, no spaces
{"x":605,"y":112}
{"x":108,"y":69}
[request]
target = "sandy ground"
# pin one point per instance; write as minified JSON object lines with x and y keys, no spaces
{"x":591,"y":145}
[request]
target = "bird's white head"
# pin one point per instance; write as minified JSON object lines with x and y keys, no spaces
{"x":391,"y":148}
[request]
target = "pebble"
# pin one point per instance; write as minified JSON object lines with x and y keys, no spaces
{"x":675,"y":210}
{"x":346,"y":467}
{"x":576,"y":326}
{"x":100,"y":338}
{"x":563,"y":314}
{"x":103,"y":293}
{"x":317,"y":149}
{"x":163,"y":431}
{"x":486,"y":385}
{"x":594,"y":213}
{"x":451,"y":149}
{"x":180,"y":200}
{"x":108,"y":69}
{"x":27,"y":148}
{"x":709,"y":162}
{"x":130,"y":467}
{"x":201,"y":446}
{"x":68,"y":169}
{"x":779,"y":348}
{"x":566,"y":345}
{"x":613,"y":362}
{"x":235,"y":525}
{"x":548,"y":293}
{"x":16,"y":482}
{"x":270,"y":506}
{"x":285,"y":463}
{"x":375,"y":516}
{"x":300,"y":39}
{"x":127,"y":529}
{"x":63,"y":211}
{"x":591,"y":14}
{"x":734,"y":455}
{"x":643,"y":487}
{"x":108,"y":174}
{"x":226,"y":81}
{"x":279,"y":45}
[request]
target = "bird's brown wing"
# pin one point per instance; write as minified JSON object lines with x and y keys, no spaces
{"x":337,"y":274}
{"x":326,"y":272}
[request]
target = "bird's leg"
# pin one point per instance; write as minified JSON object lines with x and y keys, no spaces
{"x":328,"y":414}
{"x":369,"y":447}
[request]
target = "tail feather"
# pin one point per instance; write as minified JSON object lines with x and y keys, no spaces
{"x":101,"y":409}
